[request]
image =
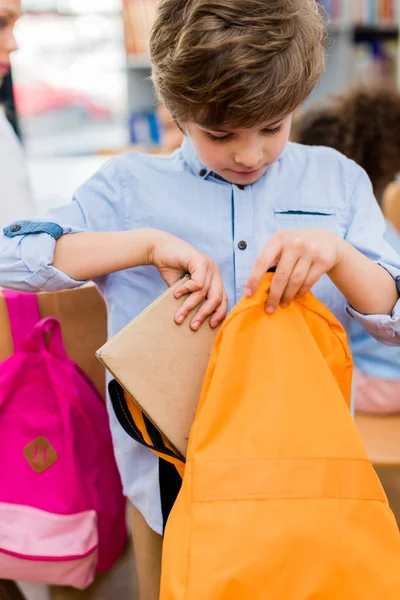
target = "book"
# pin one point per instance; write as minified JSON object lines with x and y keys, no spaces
{"x":162,"y":366}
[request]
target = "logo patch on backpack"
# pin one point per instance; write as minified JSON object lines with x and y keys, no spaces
{"x":40,"y":454}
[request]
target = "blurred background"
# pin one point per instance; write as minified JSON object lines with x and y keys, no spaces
{"x":80,"y":86}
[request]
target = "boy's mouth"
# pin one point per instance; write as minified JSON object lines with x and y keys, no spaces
{"x":249,"y":173}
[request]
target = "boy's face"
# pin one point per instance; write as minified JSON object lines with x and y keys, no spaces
{"x":240,"y":156}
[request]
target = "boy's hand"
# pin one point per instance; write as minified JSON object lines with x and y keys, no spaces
{"x":301,"y":257}
{"x":173,"y":258}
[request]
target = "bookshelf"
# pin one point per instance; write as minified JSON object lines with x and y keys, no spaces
{"x":362,"y":12}
{"x":363,"y":44}
{"x":138,"y":19}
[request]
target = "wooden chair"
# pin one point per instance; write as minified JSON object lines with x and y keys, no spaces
{"x":83,"y":318}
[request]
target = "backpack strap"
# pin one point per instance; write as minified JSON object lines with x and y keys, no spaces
{"x":23,"y":314}
{"x":45,"y":335}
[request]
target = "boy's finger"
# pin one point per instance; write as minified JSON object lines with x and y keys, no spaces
{"x":190,"y":304}
{"x":198,"y":269}
{"x":220,"y":314}
{"x":296,"y":281}
{"x":280,"y":280}
{"x":190,"y":285}
{"x":313,"y":276}
{"x":204,"y":311}
{"x":215,"y":297}
{"x":261,"y":266}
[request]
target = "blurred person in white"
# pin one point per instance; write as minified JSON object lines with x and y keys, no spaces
{"x":15,"y":194}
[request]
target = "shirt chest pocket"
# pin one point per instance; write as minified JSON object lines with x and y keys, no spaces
{"x":300,"y":217}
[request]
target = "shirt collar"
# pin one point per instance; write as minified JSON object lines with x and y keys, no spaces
{"x":191,"y":159}
{"x":196,"y":166}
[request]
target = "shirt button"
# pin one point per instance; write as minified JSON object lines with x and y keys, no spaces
{"x":15,"y":228}
{"x":242,"y":245}
{"x":241,"y":187}
{"x":203,"y":172}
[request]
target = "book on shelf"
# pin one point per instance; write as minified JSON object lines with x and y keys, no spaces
{"x":139,"y":17}
{"x":362,"y":12}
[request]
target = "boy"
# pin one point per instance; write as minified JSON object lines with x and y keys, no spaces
{"x":231,"y":73}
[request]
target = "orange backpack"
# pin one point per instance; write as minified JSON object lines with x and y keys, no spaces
{"x":279,"y":500}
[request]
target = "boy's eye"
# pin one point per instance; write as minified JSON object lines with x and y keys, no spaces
{"x":219,"y":138}
{"x":273,"y":130}
{"x":228,"y":136}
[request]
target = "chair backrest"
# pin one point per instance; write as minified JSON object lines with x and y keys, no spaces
{"x":79,"y":310}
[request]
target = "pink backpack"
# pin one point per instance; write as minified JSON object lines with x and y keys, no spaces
{"x":62,"y":511}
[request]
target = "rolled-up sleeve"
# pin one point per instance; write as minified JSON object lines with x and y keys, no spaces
{"x":27,"y":247}
{"x":367,"y":233}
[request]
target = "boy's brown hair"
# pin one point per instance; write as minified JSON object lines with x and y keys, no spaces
{"x":239,"y":63}
{"x":363,"y":124}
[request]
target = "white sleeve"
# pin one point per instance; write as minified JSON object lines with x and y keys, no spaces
{"x":16,"y":199}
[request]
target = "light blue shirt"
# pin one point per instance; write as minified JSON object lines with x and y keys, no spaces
{"x":306,"y":187}
{"x":371,"y":357}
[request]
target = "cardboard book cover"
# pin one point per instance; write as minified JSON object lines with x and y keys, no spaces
{"x":162,"y":365}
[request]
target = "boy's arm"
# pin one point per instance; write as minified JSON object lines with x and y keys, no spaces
{"x":368,"y":287}
{"x":302,"y":256}
{"x":363,"y":265}
{"x":88,"y":238}
{"x":27,"y":247}
{"x":90,"y":255}
{"x":373,"y":287}
{"x":87,"y":255}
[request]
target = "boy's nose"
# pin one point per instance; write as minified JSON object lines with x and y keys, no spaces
{"x":249,"y":158}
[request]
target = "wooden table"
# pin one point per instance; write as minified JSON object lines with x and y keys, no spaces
{"x":381,"y":436}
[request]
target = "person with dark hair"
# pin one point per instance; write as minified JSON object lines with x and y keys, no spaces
{"x":364,"y":125}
